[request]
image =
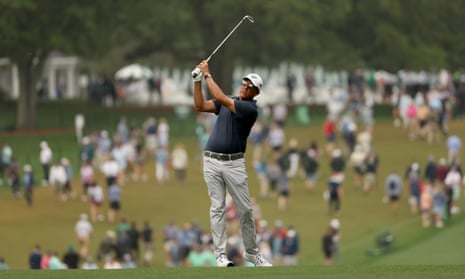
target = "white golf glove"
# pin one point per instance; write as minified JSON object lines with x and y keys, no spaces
{"x":197,"y":75}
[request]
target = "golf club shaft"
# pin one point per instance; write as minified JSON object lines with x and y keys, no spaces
{"x":229,"y":35}
{"x":196,"y":72}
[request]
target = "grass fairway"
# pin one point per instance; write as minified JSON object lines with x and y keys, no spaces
{"x":301,"y":272}
{"x":418,"y":252}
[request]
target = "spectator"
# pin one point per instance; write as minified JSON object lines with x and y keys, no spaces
{"x":89,"y":264}
{"x":452,"y":183}
{"x":96,"y":197}
{"x":430,"y":170}
{"x":3,"y":264}
{"x":290,"y":247}
{"x":87,"y":177}
{"x":441,"y":170}
{"x":454,"y":146}
{"x":180,"y":161}
{"x":111,"y":170}
{"x":45,"y":160}
{"x":14,"y":177}
{"x":6,"y":155}
{"x":370,"y":171}
{"x":277,"y":239}
{"x":45,"y":260}
{"x":276,"y":137}
{"x":327,"y":246}
{"x":426,"y":205}
{"x":279,"y":114}
{"x":335,"y":225}
{"x":150,"y":127}
{"x":291,"y":83}
{"x":29,"y":184}
{"x":123,"y":244}
{"x":335,"y":193}
{"x":35,"y":258}
{"x":393,"y":188}
{"x":134,"y":236}
{"x":147,"y":240}
{"x":139,"y":162}
{"x":329,"y":131}
{"x":107,"y":246}
{"x":170,"y":235}
{"x":439,"y":204}
{"x":415,"y":189}
{"x":87,"y":153}
{"x":310,"y":165}
{"x":128,"y":262}
{"x":71,"y":258}
{"x":284,"y":187}
{"x":83,"y":230}
{"x":293,"y":155}
{"x":161,"y":165}
{"x":163,"y":133}
{"x":55,"y":262}
{"x":68,"y":187}
{"x":114,"y":198}
{"x":357,"y":160}
{"x":79,"y":123}
{"x":58,"y":180}
{"x":111,"y":263}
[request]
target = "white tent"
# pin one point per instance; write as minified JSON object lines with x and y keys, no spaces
{"x":134,"y":71}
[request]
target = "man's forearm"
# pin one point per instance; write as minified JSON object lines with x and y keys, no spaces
{"x":198,"y":96}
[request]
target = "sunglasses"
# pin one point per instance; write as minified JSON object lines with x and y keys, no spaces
{"x":246,"y":84}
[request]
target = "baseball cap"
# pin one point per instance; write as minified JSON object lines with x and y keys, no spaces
{"x":256,"y":80}
{"x":335,"y":224}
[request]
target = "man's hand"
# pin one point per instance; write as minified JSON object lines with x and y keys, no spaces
{"x":197,"y":75}
{"x":203,"y":66}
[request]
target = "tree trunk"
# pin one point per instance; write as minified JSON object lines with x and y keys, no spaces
{"x":27,"y":101}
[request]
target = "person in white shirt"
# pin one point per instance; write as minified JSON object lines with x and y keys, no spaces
{"x":45,"y":160}
{"x":87,"y":176}
{"x":83,"y":230}
{"x":179,"y":162}
{"x":58,"y":179}
{"x":96,"y":197}
{"x":163,"y":132}
{"x":110,"y":169}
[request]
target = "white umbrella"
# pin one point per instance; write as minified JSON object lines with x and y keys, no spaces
{"x":134,"y":71}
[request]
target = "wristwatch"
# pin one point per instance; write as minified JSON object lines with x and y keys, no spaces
{"x":208,"y":76}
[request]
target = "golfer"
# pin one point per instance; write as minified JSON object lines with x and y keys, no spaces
{"x":224,"y":163}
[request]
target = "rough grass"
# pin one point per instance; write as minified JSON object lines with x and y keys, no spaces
{"x":363,"y":216}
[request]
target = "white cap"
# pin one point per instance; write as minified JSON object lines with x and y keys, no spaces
{"x":43,"y":144}
{"x":335,"y":224}
{"x":256,"y":80}
{"x":336,"y":153}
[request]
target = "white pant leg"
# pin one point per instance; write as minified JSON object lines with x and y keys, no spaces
{"x":235,"y":177}
{"x":217,"y":194}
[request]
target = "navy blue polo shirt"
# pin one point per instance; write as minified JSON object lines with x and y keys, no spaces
{"x":231,"y":130}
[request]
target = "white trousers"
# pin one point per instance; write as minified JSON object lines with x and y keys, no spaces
{"x":231,"y":176}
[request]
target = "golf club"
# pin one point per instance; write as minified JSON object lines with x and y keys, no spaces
{"x":196,"y":71}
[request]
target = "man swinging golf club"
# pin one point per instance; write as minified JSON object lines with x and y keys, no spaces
{"x":224,"y":163}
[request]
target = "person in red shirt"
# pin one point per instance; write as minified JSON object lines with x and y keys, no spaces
{"x":329,"y":131}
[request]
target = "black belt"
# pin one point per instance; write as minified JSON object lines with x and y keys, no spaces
{"x":224,"y":157}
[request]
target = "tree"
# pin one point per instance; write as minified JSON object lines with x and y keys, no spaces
{"x":32,"y":29}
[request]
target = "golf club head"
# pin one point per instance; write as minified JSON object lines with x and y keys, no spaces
{"x":249,"y":18}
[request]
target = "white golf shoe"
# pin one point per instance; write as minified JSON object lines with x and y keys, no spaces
{"x":223,"y":261}
{"x":257,"y":260}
